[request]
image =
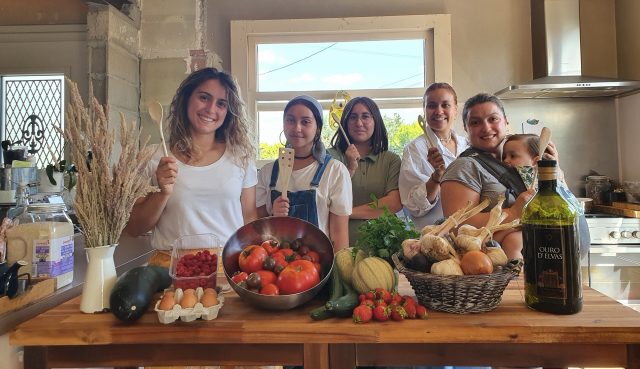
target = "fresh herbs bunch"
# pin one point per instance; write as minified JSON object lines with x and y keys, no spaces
{"x":383,"y":235}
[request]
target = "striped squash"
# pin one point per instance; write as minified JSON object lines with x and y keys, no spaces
{"x":371,"y":273}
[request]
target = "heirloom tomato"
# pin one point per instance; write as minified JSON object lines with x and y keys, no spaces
{"x":270,"y":246}
{"x":270,"y":289}
{"x":239,"y":277}
{"x":267,"y":277}
{"x":298,"y":276}
{"x":251,"y":258}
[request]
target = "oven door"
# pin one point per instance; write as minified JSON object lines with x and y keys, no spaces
{"x":615,"y":271}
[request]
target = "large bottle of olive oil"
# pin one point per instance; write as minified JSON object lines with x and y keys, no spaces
{"x":551,"y":249}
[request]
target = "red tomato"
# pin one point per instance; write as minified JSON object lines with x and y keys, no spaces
{"x":270,"y":289}
{"x":280,"y":262}
{"x":312,"y":256}
{"x":251,"y":258}
{"x":270,"y":245}
{"x":239,"y":277}
{"x":288,"y":254}
{"x":267,"y":277}
{"x":298,"y":276}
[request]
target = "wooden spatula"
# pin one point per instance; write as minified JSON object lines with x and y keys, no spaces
{"x":424,"y":127}
{"x":285,"y":166}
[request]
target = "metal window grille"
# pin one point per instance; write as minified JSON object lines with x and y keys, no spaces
{"x":31,"y":107}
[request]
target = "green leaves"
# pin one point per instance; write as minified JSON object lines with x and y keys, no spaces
{"x":383,"y":236}
{"x":62,"y":167}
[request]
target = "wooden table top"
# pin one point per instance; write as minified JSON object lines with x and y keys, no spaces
{"x":602,"y":320}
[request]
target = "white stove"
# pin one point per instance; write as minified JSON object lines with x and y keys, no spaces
{"x":613,"y":263}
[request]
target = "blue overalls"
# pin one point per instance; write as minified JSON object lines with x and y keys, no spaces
{"x":302,"y":204}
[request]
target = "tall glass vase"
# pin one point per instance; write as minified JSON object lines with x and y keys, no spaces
{"x":99,"y":280}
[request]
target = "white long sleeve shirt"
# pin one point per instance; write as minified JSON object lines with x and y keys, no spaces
{"x":415,"y":171}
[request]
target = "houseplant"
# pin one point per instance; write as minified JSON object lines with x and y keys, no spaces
{"x":55,"y":173}
{"x":107,"y":192}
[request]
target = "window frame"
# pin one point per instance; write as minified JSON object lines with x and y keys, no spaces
{"x":435,"y":29}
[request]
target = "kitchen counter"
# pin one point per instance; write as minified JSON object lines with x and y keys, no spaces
{"x":604,"y":334}
{"x":131,"y":252}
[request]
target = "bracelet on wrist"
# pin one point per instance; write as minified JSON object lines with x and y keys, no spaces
{"x":437,"y":181}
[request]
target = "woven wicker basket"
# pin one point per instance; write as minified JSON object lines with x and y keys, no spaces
{"x":459,"y":294}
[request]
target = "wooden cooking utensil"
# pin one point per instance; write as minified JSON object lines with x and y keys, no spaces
{"x":335,"y":117}
{"x":157,"y":114}
{"x":285,"y":167}
{"x":545,"y":136}
{"x":424,"y":127}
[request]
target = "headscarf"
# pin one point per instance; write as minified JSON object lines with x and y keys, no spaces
{"x":318,"y":151}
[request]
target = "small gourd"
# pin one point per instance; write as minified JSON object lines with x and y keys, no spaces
{"x":345,"y":261}
{"x":371,"y":273}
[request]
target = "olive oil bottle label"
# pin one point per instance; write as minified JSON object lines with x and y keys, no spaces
{"x":550,"y":264}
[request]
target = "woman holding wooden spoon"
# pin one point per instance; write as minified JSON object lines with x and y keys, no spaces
{"x":373,"y":168}
{"x":422,"y":163}
{"x":207,"y":183}
{"x":319,"y":187}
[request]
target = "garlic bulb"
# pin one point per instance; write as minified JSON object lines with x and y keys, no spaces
{"x":497,"y":255}
{"x":436,"y":248}
{"x":428,"y":229}
{"x":447,"y":267}
{"x":467,"y":243}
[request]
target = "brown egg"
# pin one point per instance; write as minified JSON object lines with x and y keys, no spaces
{"x":210,"y":290}
{"x":167,"y":302}
{"x":209,"y":299}
{"x":190,"y":291}
{"x":188,"y":301}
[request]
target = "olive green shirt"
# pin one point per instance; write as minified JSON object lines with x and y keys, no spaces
{"x":376,"y":174}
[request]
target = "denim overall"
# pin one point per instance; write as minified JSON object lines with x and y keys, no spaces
{"x":302,"y":204}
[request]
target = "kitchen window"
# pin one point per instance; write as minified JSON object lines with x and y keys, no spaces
{"x":390,"y":59}
{"x":31,"y":106}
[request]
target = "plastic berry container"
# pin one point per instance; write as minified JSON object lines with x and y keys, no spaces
{"x":195,"y":261}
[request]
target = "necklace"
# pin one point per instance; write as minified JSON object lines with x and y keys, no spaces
{"x":447,"y":140}
{"x":303,"y":157}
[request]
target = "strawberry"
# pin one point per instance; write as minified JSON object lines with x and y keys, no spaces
{"x":411,"y":310}
{"x":421,"y":312}
{"x":383,"y":294}
{"x":381,"y":313}
{"x":408,"y":300}
{"x":370,"y":295}
{"x":398,"y":313}
{"x":368,"y":303}
{"x":380,"y":302}
{"x":362,"y":314}
{"x":362,"y":297}
{"x":395,"y":296}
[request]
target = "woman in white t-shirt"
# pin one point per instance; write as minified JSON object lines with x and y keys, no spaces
{"x":319,"y":189}
{"x":207,"y":182}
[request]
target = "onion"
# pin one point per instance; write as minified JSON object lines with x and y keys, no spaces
{"x":476,"y":262}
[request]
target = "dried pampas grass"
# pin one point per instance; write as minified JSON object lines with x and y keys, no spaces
{"x":105,"y":193}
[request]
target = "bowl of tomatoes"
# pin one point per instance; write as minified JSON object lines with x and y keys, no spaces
{"x":278,"y":263}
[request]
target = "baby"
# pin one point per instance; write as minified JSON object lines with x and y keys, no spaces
{"x":521,"y":151}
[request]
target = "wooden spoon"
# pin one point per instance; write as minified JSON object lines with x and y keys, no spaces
{"x":285,"y":167}
{"x":545,"y":136}
{"x":424,"y":127}
{"x":157,"y":114}
{"x":335,"y":117}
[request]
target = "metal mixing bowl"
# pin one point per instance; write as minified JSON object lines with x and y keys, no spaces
{"x":280,"y":229}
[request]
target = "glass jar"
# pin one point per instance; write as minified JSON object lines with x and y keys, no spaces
{"x":44,"y":238}
{"x":597,"y":187}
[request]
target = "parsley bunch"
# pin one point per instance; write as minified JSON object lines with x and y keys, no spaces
{"x":383,"y":236}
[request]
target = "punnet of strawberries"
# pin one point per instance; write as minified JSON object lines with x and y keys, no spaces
{"x":381,"y":305}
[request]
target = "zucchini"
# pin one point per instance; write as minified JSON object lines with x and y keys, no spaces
{"x":322,"y":312}
{"x":343,"y":306}
{"x":133,"y":292}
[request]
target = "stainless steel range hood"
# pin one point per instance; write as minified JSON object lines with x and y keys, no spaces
{"x":557,"y":57}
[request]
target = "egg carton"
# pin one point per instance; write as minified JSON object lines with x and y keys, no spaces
{"x":198,"y":311}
